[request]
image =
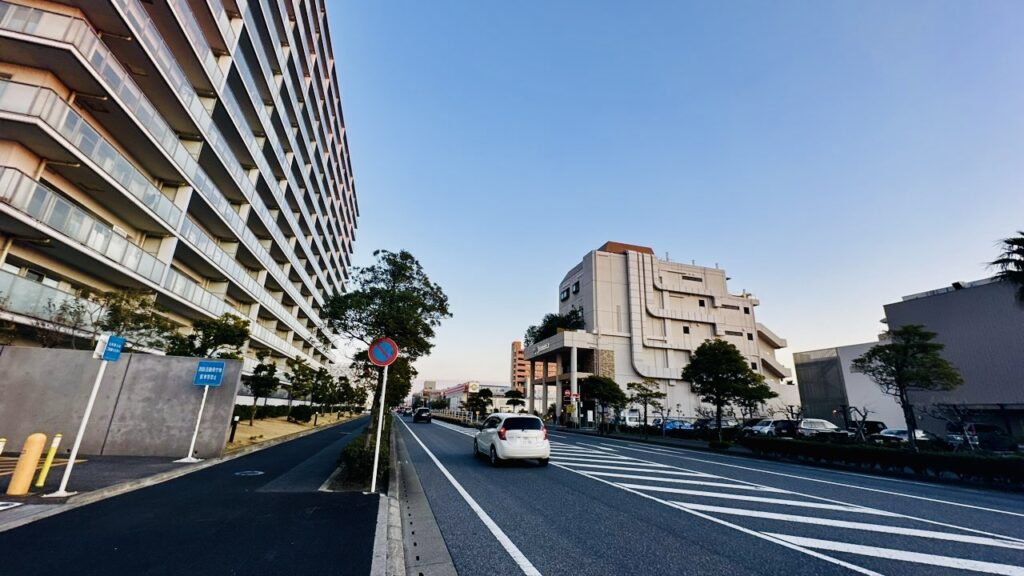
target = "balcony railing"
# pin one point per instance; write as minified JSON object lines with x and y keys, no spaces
{"x":48,"y":207}
{"x":20,"y":295}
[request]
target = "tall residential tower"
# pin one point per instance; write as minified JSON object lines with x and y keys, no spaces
{"x":194,"y":149}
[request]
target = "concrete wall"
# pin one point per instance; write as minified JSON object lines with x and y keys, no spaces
{"x":146,"y":406}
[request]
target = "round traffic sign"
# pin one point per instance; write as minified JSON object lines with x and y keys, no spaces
{"x":383,"y":351}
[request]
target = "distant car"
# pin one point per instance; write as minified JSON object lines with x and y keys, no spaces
{"x":979,"y":436}
{"x":898,"y":436}
{"x":711,"y":424}
{"x":504,"y":436}
{"x":770,"y":427}
{"x":422,"y":415}
{"x":870,"y":427}
{"x":811,"y":427}
{"x":679,"y":424}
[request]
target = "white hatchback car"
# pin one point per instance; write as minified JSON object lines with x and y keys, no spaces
{"x":513,"y":437}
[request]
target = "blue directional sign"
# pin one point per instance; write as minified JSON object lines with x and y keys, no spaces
{"x":112,"y":351}
{"x":209,"y":373}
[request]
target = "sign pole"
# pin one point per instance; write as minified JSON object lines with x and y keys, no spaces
{"x":62,"y":491}
{"x":195,"y":433}
{"x":380,"y":424}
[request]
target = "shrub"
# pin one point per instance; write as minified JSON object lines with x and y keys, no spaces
{"x":716,"y":445}
{"x":301,"y":413}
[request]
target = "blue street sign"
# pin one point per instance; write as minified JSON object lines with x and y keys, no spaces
{"x":209,"y":373}
{"x":112,"y":351}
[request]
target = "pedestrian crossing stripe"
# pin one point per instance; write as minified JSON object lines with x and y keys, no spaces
{"x":675,"y":487}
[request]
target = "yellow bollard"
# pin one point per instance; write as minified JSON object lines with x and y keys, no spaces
{"x":27,"y":463}
{"x":49,"y":461}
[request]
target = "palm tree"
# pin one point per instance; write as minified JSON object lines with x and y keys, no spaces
{"x":1011,"y":263}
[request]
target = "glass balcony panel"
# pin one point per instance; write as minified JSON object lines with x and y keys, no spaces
{"x":116,"y":247}
{"x":98,"y":238}
{"x":59,"y":214}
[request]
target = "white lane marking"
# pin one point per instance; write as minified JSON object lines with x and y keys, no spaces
{"x":885,"y":529}
{"x":557,"y":435}
{"x":721,"y":522}
{"x":520,"y":559}
{"x":595,"y":460}
{"x":595,"y":446}
{"x":670,"y":452}
{"x":891,"y":554}
{"x":558,"y":448}
{"x":451,"y":427}
{"x":688,"y":482}
{"x":632,"y":469}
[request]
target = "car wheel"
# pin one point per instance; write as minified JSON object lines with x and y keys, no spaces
{"x":543,"y":461}
{"x":495,"y":461}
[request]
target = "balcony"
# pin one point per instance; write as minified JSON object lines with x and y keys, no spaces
{"x":32,"y":300}
{"x":47,"y":207}
{"x":772,"y":338}
{"x":23,"y":107}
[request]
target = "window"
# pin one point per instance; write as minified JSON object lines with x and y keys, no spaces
{"x":733,"y":333}
{"x":753,"y":365}
{"x":34,"y":276}
{"x":686,"y":329}
{"x":730,"y":307}
{"x":746,"y":309}
{"x":576,"y":287}
{"x":522,"y":423}
{"x":564,"y":295}
{"x":701,"y":303}
{"x":750,"y":337}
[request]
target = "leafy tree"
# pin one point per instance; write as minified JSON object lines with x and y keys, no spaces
{"x":1011,"y":263}
{"x":909,"y":360}
{"x":401,"y":375}
{"x":719,"y":374}
{"x":300,"y":375}
{"x":263,"y":382}
{"x":438,"y":404}
{"x":514,"y":397}
{"x":549,"y":325}
{"x":605,"y":392}
{"x":752,"y":401}
{"x":134,"y":315}
{"x":479,"y":402}
{"x":647,"y":394}
{"x":323,"y":390}
{"x":221,"y":337}
{"x":394,"y":298}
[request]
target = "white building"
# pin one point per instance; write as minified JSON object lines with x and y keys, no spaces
{"x":644,"y":317}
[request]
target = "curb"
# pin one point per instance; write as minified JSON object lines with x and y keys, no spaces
{"x":396,"y":545}
{"x":133,"y":485}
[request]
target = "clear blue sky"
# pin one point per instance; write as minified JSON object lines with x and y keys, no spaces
{"x":832,"y":156}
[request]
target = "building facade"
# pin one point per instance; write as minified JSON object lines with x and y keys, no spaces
{"x":194,"y":150}
{"x":828,"y":386}
{"x":643,"y":318}
{"x":981,"y":325}
{"x":520,"y":367}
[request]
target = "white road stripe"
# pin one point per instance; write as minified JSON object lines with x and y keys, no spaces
{"x":571,"y":459}
{"x":665,"y":470}
{"x":962,"y":538}
{"x":761,"y":499}
{"x":719,"y":521}
{"x":688,"y":482}
{"x":916,"y":557}
{"x":520,"y":559}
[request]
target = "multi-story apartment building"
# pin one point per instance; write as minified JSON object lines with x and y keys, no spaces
{"x":520,"y":367}
{"x":643,"y":318}
{"x":194,"y":149}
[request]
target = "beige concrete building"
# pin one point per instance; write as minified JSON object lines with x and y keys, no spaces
{"x":194,"y":150}
{"x":644,"y":317}
{"x":520,"y":367}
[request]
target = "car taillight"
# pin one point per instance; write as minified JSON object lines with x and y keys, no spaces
{"x":501,"y":433}
{"x":545,"y":431}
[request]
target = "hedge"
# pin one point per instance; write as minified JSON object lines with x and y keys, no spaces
{"x":964,"y":465}
{"x":357,"y":457}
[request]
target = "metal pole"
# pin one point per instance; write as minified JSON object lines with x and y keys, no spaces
{"x":380,"y":424}
{"x":62,"y":491}
{"x":195,"y":433}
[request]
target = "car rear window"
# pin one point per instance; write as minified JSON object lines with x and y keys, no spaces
{"x":522,"y":424}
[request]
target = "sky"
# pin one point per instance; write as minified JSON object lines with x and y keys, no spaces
{"x":831,"y":156}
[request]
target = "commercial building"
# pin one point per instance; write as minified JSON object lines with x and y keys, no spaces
{"x":457,"y":395}
{"x":828,"y":387}
{"x":520,"y":368}
{"x":193,"y":150}
{"x":981,"y":325}
{"x":643,"y":318}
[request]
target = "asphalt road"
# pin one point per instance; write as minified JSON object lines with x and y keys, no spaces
{"x":617,"y":507}
{"x":223,"y":520}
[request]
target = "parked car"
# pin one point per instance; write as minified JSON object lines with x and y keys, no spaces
{"x":815,"y":427}
{"x":711,"y":424}
{"x":422,"y":415}
{"x":979,"y":436}
{"x":769,"y":427}
{"x":504,"y":436}
{"x":679,"y":424}
{"x":870,"y":427}
{"x":897,"y":436}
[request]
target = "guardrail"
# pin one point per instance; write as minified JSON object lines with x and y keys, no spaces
{"x":463,"y":416}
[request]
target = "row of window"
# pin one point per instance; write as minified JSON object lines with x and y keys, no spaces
{"x":565,"y":291}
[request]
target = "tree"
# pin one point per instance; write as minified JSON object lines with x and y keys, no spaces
{"x":1011,"y":263}
{"x":135,"y":315}
{"x":221,"y":337}
{"x":401,"y":375}
{"x":300,"y":376}
{"x":323,"y":390}
{"x":645,"y":393}
{"x":263,"y":382}
{"x":514,"y":397}
{"x":753,"y":399}
{"x":438,"y":404}
{"x":478,"y":402}
{"x":605,"y":392}
{"x":394,"y":298}
{"x":719,"y":374}
{"x":909,"y":360}
{"x":550,"y":324}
